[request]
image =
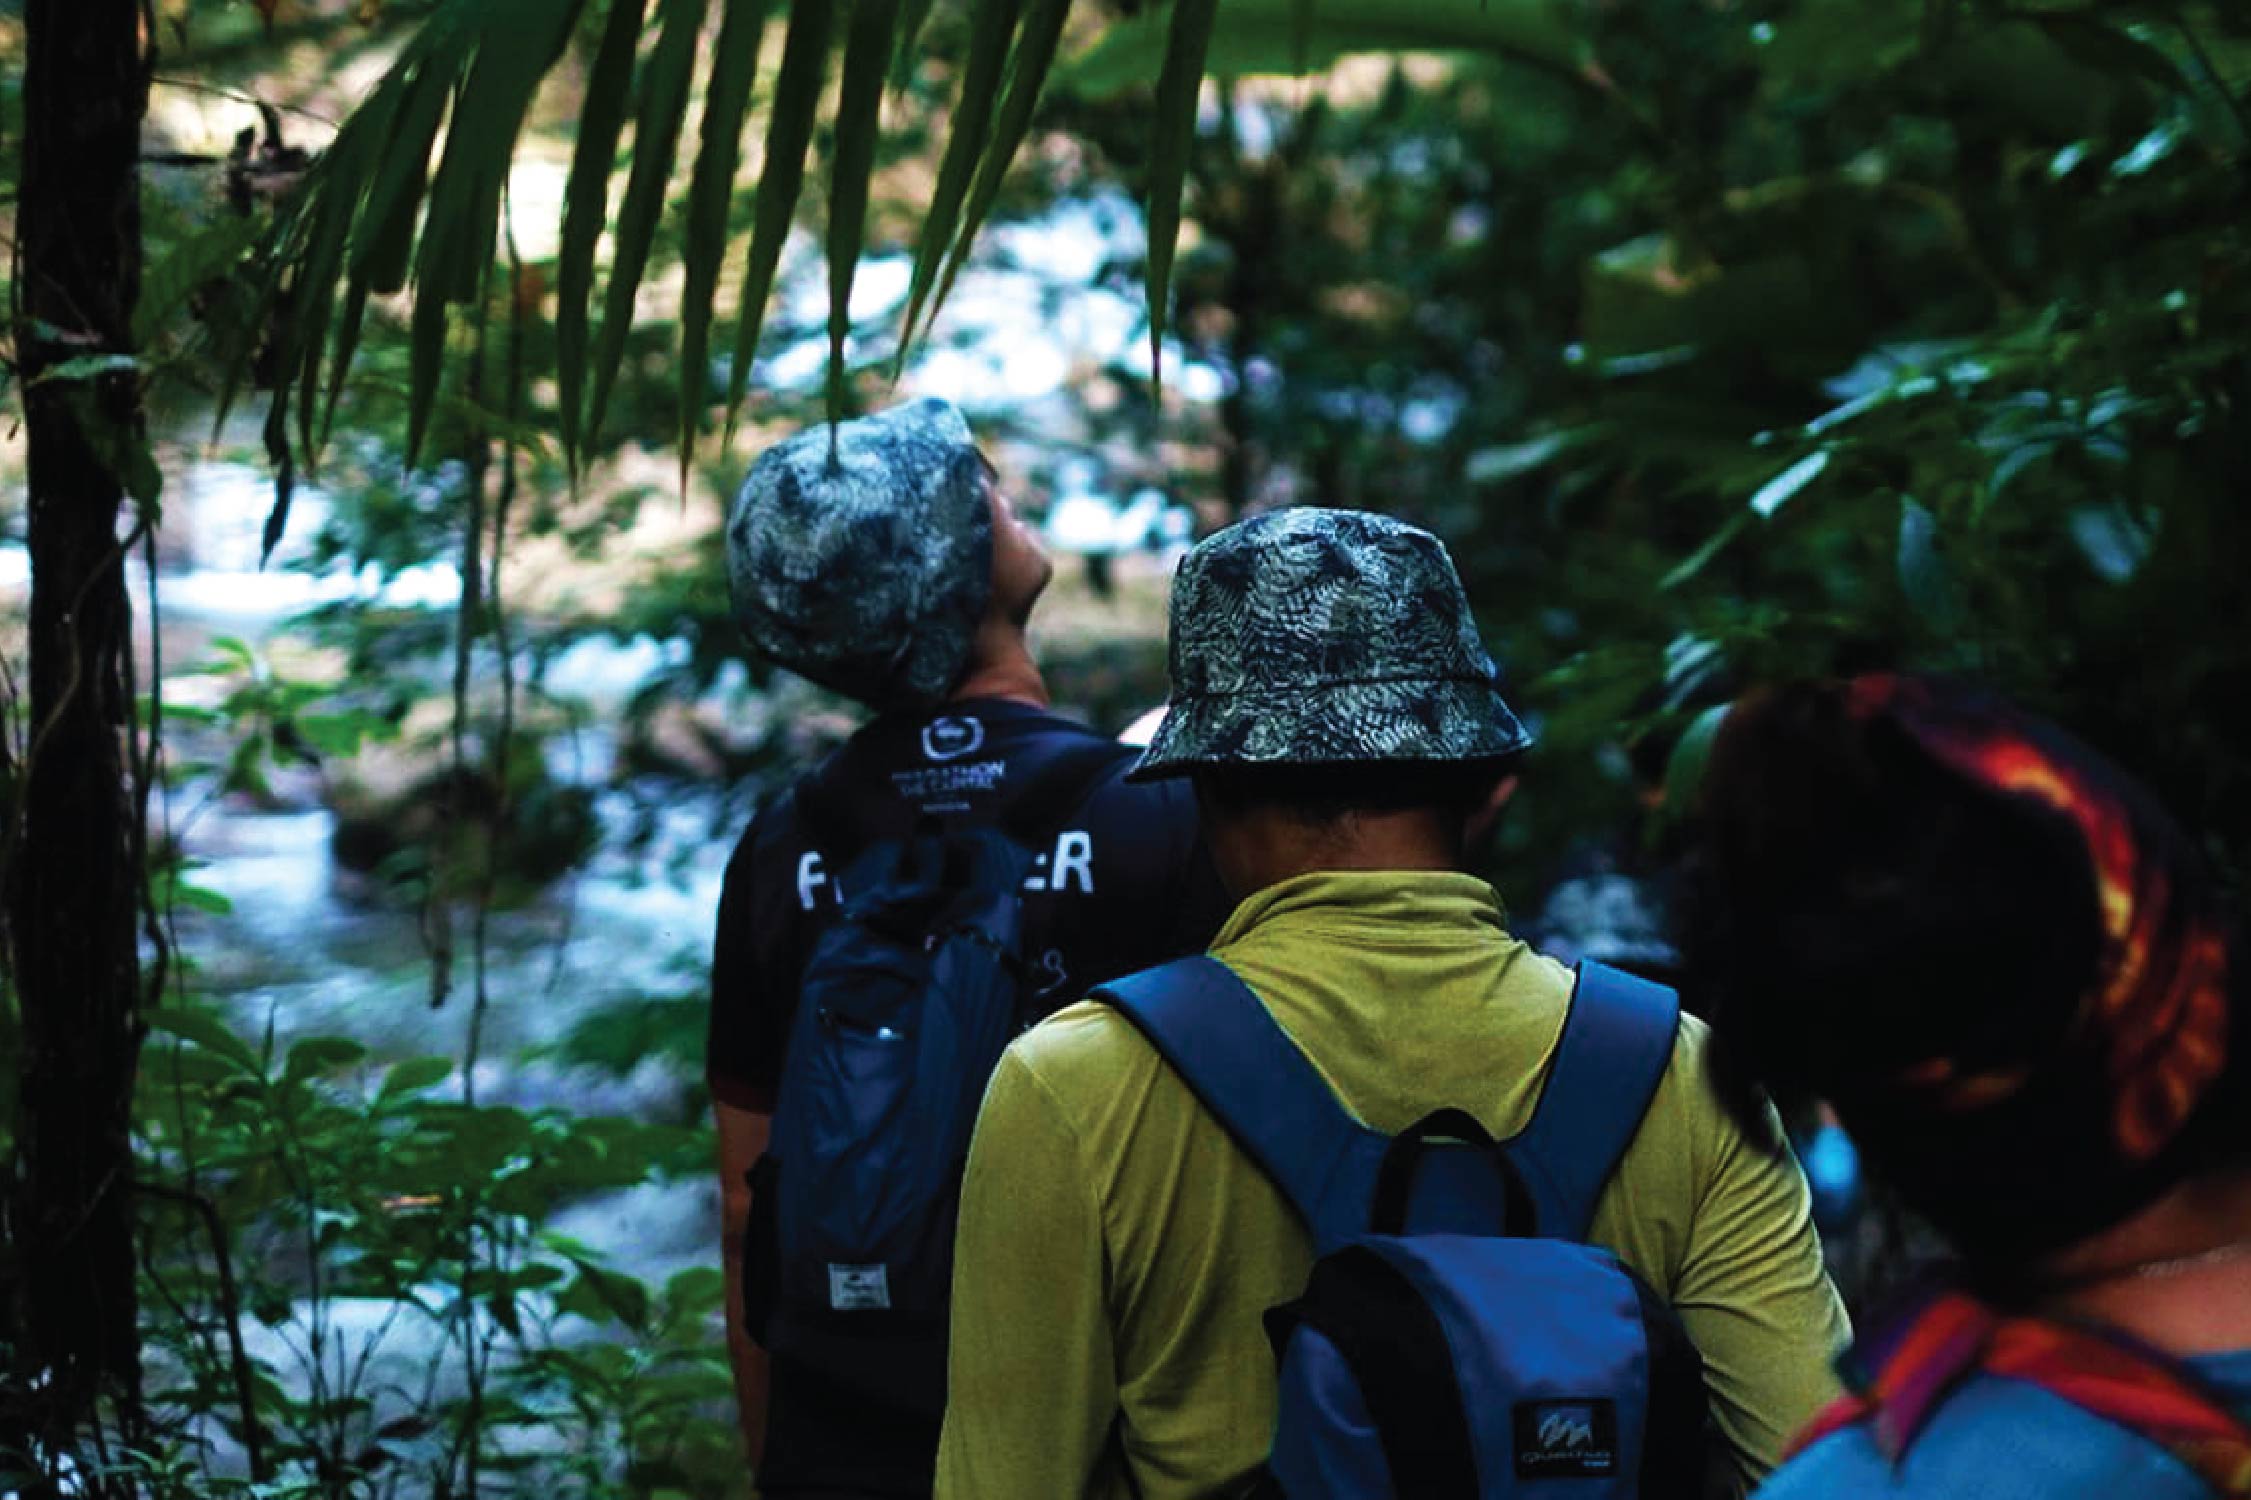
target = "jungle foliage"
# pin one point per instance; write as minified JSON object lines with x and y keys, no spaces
{"x":1794,"y":338}
{"x":1859,"y":330}
{"x":1719,"y":342}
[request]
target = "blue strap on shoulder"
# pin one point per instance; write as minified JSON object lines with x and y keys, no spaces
{"x":1219,"y":1037}
{"x":1246,"y":1071}
{"x":1616,"y":1043}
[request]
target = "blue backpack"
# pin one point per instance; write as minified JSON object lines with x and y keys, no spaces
{"x":905,"y":1004}
{"x":1456,"y":1341}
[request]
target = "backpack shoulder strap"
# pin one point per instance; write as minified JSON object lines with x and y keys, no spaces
{"x":1617,"y":1039}
{"x":1246,"y":1071}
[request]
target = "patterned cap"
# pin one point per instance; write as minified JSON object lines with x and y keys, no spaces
{"x":860,"y":555}
{"x":1312,"y":636}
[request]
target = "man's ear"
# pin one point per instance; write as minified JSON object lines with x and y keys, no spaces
{"x":1487,"y":813}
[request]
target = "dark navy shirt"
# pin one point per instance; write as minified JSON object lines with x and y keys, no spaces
{"x":1120,"y":881}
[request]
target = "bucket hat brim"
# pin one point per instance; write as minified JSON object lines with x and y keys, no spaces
{"x":1390,"y":721}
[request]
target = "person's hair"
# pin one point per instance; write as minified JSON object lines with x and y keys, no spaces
{"x":1858,"y":909}
{"x":1327,"y":794}
{"x":1860,"y":913}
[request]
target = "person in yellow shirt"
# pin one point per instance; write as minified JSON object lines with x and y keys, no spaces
{"x":1116,"y":1248}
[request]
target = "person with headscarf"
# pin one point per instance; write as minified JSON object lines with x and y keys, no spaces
{"x":2010,"y":975}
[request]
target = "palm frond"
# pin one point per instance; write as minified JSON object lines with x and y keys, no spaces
{"x":859,"y":105}
{"x":992,"y":27}
{"x":586,"y":206}
{"x":1028,"y":69}
{"x":374,"y":218}
{"x":712,"y":187}
{"x":789,"y":135}
{"x":656,"y":143}
{"x":1177,"y":89}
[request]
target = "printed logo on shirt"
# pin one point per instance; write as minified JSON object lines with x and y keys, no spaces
{"x":927,"y":785}
{"x":859,"y":1288}
{"x":951,"y":738}
{"x":1053,"y":973}
{"x":1573,"y":1439}
{"x":1067,"y":867}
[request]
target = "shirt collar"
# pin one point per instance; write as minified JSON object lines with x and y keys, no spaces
{"x":1443,"y":902}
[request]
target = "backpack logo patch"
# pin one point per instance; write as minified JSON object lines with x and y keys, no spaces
{"x":1576,"y":1439}
{"x":952,"y":738}
{"x":859,"y":1288}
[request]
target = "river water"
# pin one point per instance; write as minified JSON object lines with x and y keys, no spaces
{"x":303,"y":951}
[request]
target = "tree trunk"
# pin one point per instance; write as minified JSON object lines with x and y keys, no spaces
{"x":73,"y":875}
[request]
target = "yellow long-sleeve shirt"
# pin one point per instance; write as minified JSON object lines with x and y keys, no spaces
{"x":1116,"y":1249}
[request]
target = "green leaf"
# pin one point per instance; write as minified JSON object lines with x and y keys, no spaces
{"x":1701,"y":558}
{"x":414,"y":1075}
{"x":586,"y":207}
{"x":1174,"y":137}
{"x":697,"y":1289}
{"x":236,"y":655}
{"x":1654,"y":297}
{"x":710,"y":190}
{"x":1513,"y":460}
{"x":341,"y":181}
{"x":656,"y":140}
{"x":173,"y":279}
{"x":1281,"y":37}
{"x":83,"y":368}
{"x":201,"y":898}
{"x":339,"y":363}
{"x":1684,"y":768}
{"x":207,"y":1031}
{"x":383,"y":247}
{"x":2113,"y":541}
{"x":859,"y":107}
{"x":342,"y":733}
{"x":427,"y":338}
{"x":319,"y":1055}
{"x":789,"y":135}
{"x":520,"y":41}
{"x":144,"y":481}
{"x":992,"y":26}
{"x":600,"y":1292}
{"x":1783,"y":487}
{"x":2012,"y":467}
{"x":1923,"y":574}
{"x":912,"y":19}
{"x":2088,"y":41}
{"x":1027,"y":74}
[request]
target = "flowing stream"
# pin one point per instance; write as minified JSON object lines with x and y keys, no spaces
{"x":303,"y":952}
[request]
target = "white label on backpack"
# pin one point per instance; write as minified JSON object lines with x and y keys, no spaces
{"x":1568,"y":1439}
{"x":859,"y":1288}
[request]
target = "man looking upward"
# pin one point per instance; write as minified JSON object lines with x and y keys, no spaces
{"x":880,"y":558}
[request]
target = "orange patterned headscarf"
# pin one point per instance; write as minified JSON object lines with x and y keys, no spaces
{"x":2158,"y":1012}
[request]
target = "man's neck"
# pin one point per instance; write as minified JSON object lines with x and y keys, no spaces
{"x":1001,"y":666}
{"x":1264,"y":847}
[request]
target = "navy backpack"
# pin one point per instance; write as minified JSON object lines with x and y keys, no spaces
{"x":905,"y":1004}
{"x":1456,"y":1340}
